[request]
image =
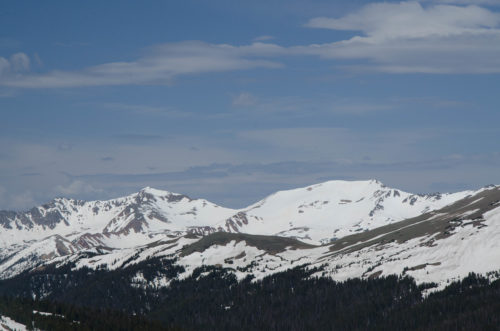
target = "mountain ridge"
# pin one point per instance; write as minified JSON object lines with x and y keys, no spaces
{"x":312,"y":220}
{"x":151,"y":210}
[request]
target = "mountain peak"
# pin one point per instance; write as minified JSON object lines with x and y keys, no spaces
{"x":347,"y":185}
{"x":162,"y":194}
{"x":376,"y":181}
{"x":153,"y":191}
{"x":341,"y":182}
{"x":321,"y":213}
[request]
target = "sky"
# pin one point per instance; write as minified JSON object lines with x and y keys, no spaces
{"x":234,"y":100}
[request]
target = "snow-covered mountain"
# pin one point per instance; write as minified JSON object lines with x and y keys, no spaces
{"x":66,"y":226}
{"x":353,"y":229}
{"x":324,"y":212}
{"x":316,"y":214}
{"x":438,"y":246}
{"x":145,"y":212}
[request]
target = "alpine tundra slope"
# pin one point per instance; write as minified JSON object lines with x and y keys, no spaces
{"x":350,"y":228}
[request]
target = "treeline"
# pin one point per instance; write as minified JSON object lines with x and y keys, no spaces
{"x":94,"y":288}
{"x":289,"y":301}
{"x":47,"y":315}
{"x":212,"y":299}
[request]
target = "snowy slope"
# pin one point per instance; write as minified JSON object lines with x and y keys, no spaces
{"x":65,"y":226}
{"x":7,"y":323}
{"x":438,"y":246}
{"x":435,"y":247}
{"x":147,"y":211}
{"x":159,"y":223}
{"x":325,"y":212}
{"x":317,"y":213}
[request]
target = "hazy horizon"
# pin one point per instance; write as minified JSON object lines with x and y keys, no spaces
{"x":232,"y":101}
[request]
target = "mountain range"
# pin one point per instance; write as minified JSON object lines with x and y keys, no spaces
{"x":350,"y":228}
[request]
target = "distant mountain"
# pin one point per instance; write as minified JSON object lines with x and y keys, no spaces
{"x":317,"y":214}
{"x":351,"y":229}
{"x":66,"y":226}
{"x":322,"y":213}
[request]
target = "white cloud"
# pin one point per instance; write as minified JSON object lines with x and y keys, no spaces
{"x":20,"y":62}
{"x":263,"y":38}
{"x":4,"y":65}
{"x":283,"y":157}
{"x":244,"y":99}
{"x":385,"y":21}
{"x":38,"y":61}
{"x":299,"y":107}
{"x":470,"y":2}
{"x":408,"y":37}
{"x":159,"y":66}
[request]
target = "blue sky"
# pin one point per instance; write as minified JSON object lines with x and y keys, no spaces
{"x":231,"y":101}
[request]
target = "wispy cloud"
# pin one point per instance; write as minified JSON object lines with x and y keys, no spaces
{"x":137,"y":137}
{"x":234,"y":175}
{"x":16,"y":64}
{"x":469,"y":2}
{"x":244,"y":99}
{"x":388,"y":21}
{"x":408,"y":37}
{"x":216,"y":181}
{"x":300,"y":106}
{"x":159,"y":66}
{"x":263,"y":38}
{"x":145,"y":109}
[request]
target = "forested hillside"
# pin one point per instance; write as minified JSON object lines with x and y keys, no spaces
{"x":212,"y":299}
